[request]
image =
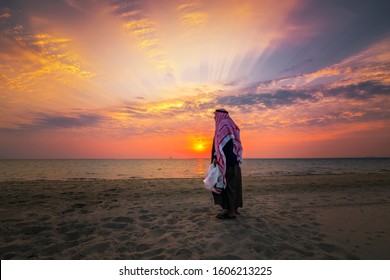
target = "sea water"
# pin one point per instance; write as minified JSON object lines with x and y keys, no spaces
{"x":179,"y":168}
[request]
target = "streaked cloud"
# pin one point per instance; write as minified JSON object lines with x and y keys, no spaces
{"x":50,"y":122}
{"x":4,"y":15}
{"x":40,"y":56}
{"x":363,"y":91}
{"x":144,"y":31}
{"x":193,"y":14}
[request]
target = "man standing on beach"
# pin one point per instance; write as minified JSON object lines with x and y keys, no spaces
{"x":227,"y":153}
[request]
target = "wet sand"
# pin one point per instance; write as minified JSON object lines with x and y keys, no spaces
{"x":291,"y":217}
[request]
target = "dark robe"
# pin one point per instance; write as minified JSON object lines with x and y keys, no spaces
{"x":231,"y":196}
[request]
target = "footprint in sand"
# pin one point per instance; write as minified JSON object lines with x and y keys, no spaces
{"x":183,"y":254}
{"x":123,"y":220}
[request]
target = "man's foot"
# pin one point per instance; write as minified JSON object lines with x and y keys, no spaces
{"x":225,"y":215}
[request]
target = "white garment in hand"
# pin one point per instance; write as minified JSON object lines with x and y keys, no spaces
{"x":214,"y":180}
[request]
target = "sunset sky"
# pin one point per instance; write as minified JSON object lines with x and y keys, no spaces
{"x":141,"y":79}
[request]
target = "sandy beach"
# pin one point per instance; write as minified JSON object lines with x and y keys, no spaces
{"x":291,"y":217}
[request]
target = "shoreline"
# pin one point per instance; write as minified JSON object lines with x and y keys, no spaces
{"x":199,"y":177}
{"x":284,"y":217}
{"x":190,"y":168}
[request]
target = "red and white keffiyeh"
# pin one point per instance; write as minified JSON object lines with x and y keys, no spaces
{"x":225,"y":130}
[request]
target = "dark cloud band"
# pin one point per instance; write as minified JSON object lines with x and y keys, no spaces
{"x":362,"y":91}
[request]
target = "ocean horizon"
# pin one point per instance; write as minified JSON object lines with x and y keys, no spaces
{"x":67,"y":169}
